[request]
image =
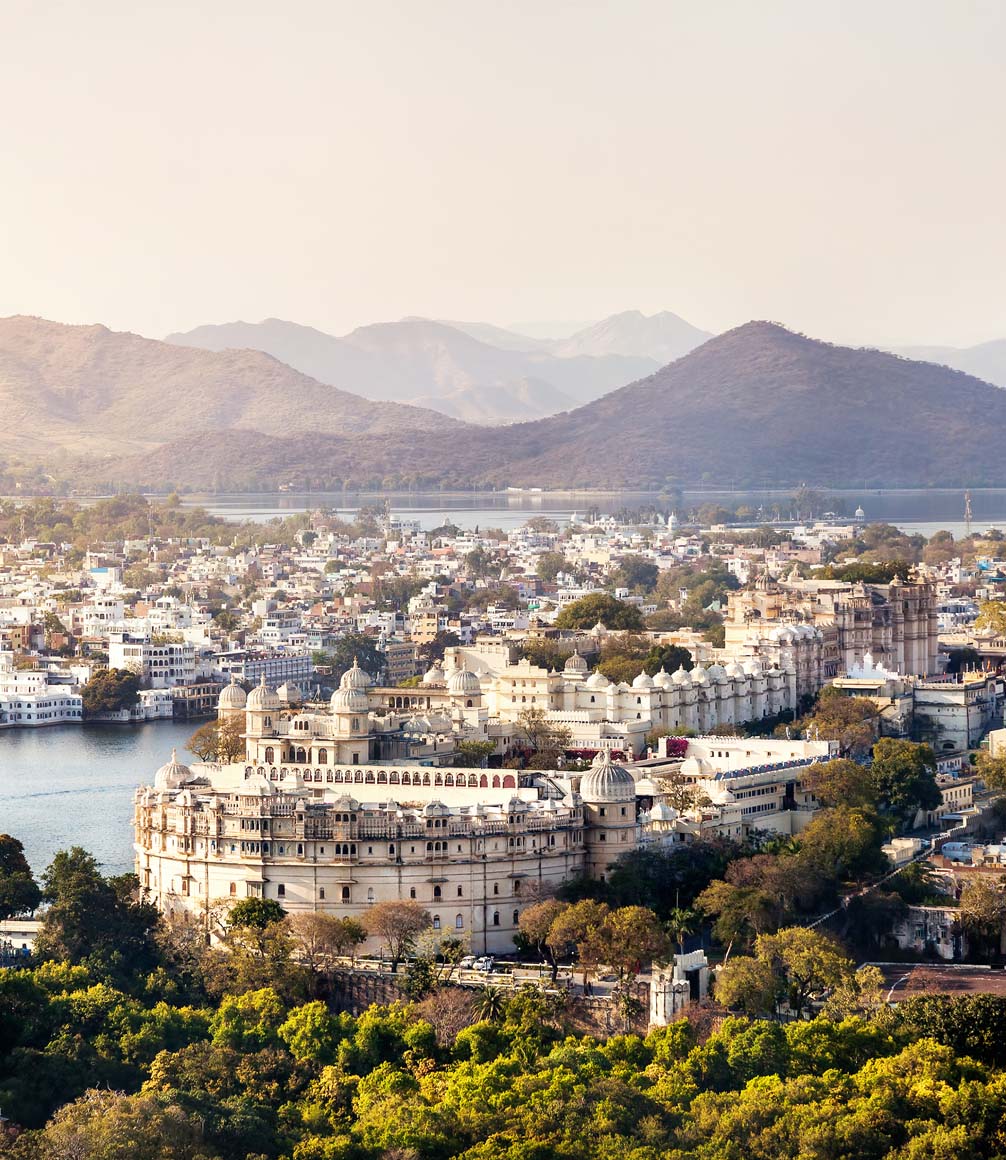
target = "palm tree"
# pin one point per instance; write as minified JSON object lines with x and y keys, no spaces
{"x":489,"y":1006}
{"x":681,"y":922}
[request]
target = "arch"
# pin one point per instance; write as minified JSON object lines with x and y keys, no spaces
{"x":496,"y":781}
{"x":468,"y":703}
{"x":359,"y":776}
{"x":406,"y":779}
{"x":496,"y":918}
{"x":449,"y":779}
{"x":369,"y":779}
{"x":459,"y":922}
{"x":483,"y":782}
{"x":473,"y":781}
{"x":437,"y":892}
{"x":270,"y":755}
{"x":436,"y":922}
{"x":393,"y":779}
{"x":426,"y":779}
{"x":509,"y":781}
{"x":438,"y":779}
{"x":323,"y":757}
{"x":382,"y":778}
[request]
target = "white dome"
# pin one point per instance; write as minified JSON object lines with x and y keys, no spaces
{"x":463,"y":682}
{"x":355,"y":677}
{"x":172,"y":774}
{"x":753,"y":667}
{"x":605,"y":782}
{"x":681,"y":676}
{"x":734,"y":670}
{"x":434,"y":675}
{"x":596,"y":680}
{"x":349,"y":701}
{"x":662,"y":812}
{"x":699,"y":676}
{"x":232,"y":696}
{"x":289,"y":693}
{"x":262,"y":697}
{"x":695,"y":767}
{"x":663,"y":680}
{"x":575,"y":664}
{"x":643,"y":681}
{"x":716,"y":673}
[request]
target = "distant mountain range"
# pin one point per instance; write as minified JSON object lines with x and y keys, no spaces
{"x":985,"y":361}
{"x":471,"y":371}
{"x":757,"y":406}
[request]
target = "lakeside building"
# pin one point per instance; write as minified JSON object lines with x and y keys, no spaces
{"x":29,"y":698}
{"x":318,"y":815}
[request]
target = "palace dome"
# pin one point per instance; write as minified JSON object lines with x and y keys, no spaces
{"x":355,"y":678}
{"x":349,"y":701}
{"x":699,"y":676}
{"x":232,"y":696}
{"x":575,"y":664}
{"x":463,"y":682}
{"x":606,"y":782}
{"x":434,"y":675}
{"x":172,"y":774}
{"x":643,"y":681}
{"x":663,"y":680}
{"x":262,"y":697}
{"x":716,"y":673}
{"x":596,"y":680}
{"x":681,"y":676}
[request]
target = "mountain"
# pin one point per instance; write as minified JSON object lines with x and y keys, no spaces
{"x":758,"y":406}
{"x":985,"y":361}
{"x":499,"y":336}
{"x":431,"y":363}
{"x":91,"y":390}
{"x":662,"y":337}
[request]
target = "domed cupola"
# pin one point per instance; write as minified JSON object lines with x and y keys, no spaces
{"x":349,"y":701}
{"x":699,"y":676}
{"x":596,"y":680}
{"x":172,"y":774}
{"x":463,"y":683}
{"x":355,"y":678}
{"x":434,"y":675}
{"x":263,"y":698}
{"x":716,"y":673}
{"x":643,"y":681}
{"x":232,"y":696}
{"x":607,"y":782}
{"x":681,"y":676}
{"x":663,"y":680}
{"x":575,"y":665}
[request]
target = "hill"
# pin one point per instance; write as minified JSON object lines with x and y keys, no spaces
{"x":432,"y":364}
{"x":757,"y":406}
{"x":90,"y":390}
{"x":985,"y":361}
{"x":662,"y":337}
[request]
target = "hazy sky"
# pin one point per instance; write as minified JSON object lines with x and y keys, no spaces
{"x":837,"y":166}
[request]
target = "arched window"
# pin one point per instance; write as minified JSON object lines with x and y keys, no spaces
{"x":234,"y":888}
{"x":437,"y":893}
{"x":270,"y":755}
{"x":496,"y":918}
{"x":516,"y":917}
{"x":436,"y":922}
{"x":345,"y":894}
{"x":509,"y":782}
{"x":412,"y":892}
{"x":370,"y":894}
{"x":459,"y":922}
{"x":496,"y":782}
{"x":496,"y":888}
{"x":323,"y":757}
{"x":483,"y":782}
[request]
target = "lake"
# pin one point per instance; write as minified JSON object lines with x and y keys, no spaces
{"x":67,"y":786}
{"x":918,"y":510}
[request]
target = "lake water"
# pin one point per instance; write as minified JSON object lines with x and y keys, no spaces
{"x":918,"y":510}
{"x":71,"y":786}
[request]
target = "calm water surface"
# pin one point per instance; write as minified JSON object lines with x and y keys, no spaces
{"x":72,"y":786}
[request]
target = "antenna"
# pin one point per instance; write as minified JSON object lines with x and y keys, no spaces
{"x":967,"y":514}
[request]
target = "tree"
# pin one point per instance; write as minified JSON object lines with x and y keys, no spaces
{"x":108,"y":1125}
{"x":535,"y":923}
{"x":255,"y":912}
{"x":904,"y":776}
{"x":546,"y":739}
{"x":19,"y":893}
{"x":747,"y":984}
{"x":636,"y":573}
{"x":110,"y":690}
{"x":398,"y":924}
{"x":220,"y":740}
{"x":841,"y":783}
{"x":599,"y":606}
{"x":804,"y":961}
{"x":991,"y":618}
{"x":982,"y":914}
{"x":629,"y":938}
{"x":576,"y":929}
{"x":322,"y":938}
{"x":475,"y":753}
{"x":681,"y":922}
{"x":433,"y":650}
{"x":550,"y":564}
{"x":354,"y":647}
{"x":851,"y":721}
{"x":992,"y":770}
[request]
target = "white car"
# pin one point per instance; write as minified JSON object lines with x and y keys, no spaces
{"x":484,"y":963}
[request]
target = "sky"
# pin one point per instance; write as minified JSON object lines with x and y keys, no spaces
{"x":834,"y":165}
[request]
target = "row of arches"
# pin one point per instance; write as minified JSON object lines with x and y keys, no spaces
{"x":384,"y":777}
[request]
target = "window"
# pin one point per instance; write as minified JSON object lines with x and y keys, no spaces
{"x":321,"y":893}
{"x":234,"y":888}
{"x":345,"y":894}
{"x":412,"y":892}
{"x":496,"y":888}
{"x":460,"y":892}
{"x":436,"y":922}
{"x":370,"y":894}
{"x":436,"y":892}
{"x":459,"y":922}
{"x":516,"y":917}
{"x":496,"y":918}
{"x":281,"y":890}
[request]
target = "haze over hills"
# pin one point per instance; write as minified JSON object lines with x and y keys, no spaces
{"x":662,"y":337}
{"x":985,"y":361}
{"x":757,"y":406}
{"x":90,"y":390}
{"x":432,"y":364}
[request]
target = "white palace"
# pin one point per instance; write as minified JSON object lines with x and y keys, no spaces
{"x":336,"y":808}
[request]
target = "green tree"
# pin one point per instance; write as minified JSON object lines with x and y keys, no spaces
{"x":475,"y":753}
{"x":110,"y":690}
{"x":545,"y":738}
{"x":982,"y":914}
{"x":614,"y":614}
{"x":535,"y":923}
{"x":637,"y":573}
{"x":255,"y":912}
{"x":353,"y":647}
{"x":19,"y":893}
{"x":904,"y":775}
{"x":991,"y":618}
{"x":841,"y":783}
{"x":550,"y":564}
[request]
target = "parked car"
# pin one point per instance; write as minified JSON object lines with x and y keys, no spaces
{"x":467,"y":963}
{"x":483,"y":963}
